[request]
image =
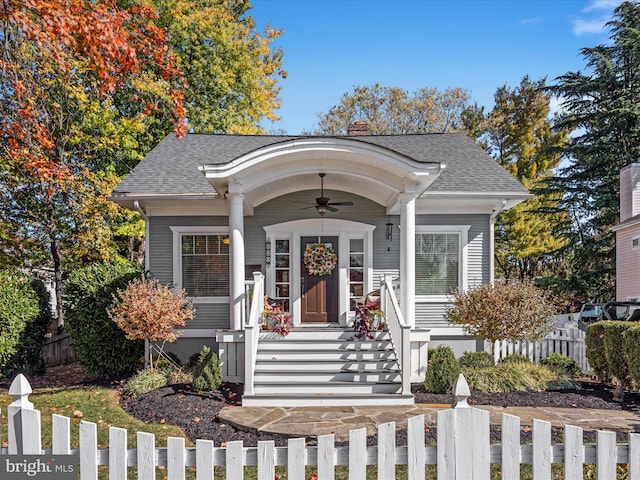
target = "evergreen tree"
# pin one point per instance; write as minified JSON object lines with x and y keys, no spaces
{"x":602,"y":107}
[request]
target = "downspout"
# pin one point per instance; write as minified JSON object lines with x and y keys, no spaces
{"x":144,"y":216}
{"x":492,"y":240}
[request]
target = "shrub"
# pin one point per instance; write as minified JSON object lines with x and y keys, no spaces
{"x":516,"y":358}
{"x":442,"y":370}
{"x":148,"y":310}
{"x":206,"y":371}
{"x":102,"y":348}
{"x":515,"y":311}
{"x":476,"y":359}
{"x":595,"y":351}
{"x":28,"y":358}
{"x":144,"y":381}
{"x":614,"y":351}
{"x":631,"y":347}
{"x":18,"y":309}
{"x":508,"y":377}
{"x":565,"y":367}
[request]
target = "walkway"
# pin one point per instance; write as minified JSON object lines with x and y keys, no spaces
{"x":315,"y":421}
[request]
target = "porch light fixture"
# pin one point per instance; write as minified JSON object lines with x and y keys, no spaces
{"x":321,"y":209}
{"x":267,"y":251}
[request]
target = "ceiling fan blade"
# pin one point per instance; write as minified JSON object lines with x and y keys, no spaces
{"x":331,"y":209}
{"x":341,"y":203}
{"x":311,"y":206}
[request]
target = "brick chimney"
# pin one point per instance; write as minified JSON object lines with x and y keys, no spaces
{"x":358,"y":128}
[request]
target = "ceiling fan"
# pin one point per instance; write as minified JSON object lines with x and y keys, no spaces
{"x":322,"y":204}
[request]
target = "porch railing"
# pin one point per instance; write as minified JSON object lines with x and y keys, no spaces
{"x":252,"y":331}
{"x":398,"y":329}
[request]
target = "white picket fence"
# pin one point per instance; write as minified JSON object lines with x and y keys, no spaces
{"x":569,"y":341}
{"x":463,"y":450}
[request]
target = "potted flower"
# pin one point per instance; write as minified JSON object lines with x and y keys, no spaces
{"x":276,"y":320}
{"x":368,"y":320}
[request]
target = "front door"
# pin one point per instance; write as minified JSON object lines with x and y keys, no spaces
{"x":319,"y":293}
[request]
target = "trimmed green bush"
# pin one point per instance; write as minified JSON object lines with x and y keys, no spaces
{"x":595,"y":351}
{"x":614,"y":351}
{"x":144,"y":381}
{"x":442,"y":370}
{"x":631,"y":347}
{"x":476,"y":359}
{"x":206,"y":371}
{"x":564,"y":366}
{"x":28,"y":358}
{"x":100,"y":345}
{"x":18,"y":308}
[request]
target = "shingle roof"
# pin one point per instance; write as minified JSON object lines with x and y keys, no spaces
{"x":172,"y":166}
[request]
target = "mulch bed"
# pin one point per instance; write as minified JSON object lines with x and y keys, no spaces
{"x":197,"y":413}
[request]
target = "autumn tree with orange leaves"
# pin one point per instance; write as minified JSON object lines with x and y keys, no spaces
{"x":79,"y":81}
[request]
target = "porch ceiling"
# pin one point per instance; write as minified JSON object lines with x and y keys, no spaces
{"x":367,"y":170}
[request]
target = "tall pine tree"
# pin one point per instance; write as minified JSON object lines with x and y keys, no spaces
{"x":602,"y":107}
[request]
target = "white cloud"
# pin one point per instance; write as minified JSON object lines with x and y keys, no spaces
{"x":601,"y":5}
{"x":527,"y":21}
{"x":594,"y":17}
{"x":586,"y":27}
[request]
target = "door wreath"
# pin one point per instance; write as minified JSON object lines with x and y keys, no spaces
{"x":320,"y":259}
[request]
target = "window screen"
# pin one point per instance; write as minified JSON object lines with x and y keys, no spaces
{"x":437,"y":263}
{"x":205,"y":265}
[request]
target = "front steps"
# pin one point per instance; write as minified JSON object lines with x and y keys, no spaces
{"x":326,"y":366}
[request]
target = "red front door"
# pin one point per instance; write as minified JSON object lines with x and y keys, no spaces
{"x":319,"y":293}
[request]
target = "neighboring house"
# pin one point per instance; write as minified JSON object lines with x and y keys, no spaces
{"x":417,"y":208}
{"x":628,"y":236}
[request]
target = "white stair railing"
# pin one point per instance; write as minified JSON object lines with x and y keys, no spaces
{"x":398,"y":329}
{"x":252,"y":332}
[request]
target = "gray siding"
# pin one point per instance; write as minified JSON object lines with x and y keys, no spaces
{"x":292,"y":207}
{"x":161,"y":264}
{"x":431,"y":314}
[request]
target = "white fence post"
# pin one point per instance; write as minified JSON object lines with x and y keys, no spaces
{"x":89,"y":450}
{"x":463,"y":447}
{"x":24,"y":422}
{"x":416,"y":456}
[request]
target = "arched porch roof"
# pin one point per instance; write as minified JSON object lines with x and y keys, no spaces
{"x":370,"y":171}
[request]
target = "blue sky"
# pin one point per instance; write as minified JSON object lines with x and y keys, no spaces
{"x":331,"y":45}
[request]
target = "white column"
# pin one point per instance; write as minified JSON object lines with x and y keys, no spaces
{"x":408,"y":258}
{"x":236,"y":250}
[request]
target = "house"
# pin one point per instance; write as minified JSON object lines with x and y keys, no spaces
{"x":628,"y":236}
{"x":229,"y":218}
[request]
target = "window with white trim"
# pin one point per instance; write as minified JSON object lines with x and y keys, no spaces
{"x":635,"y":243}
{"x":440,"y":259}
{"x":201,"y":261}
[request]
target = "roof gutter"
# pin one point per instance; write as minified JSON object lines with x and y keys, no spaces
{"x":136,"y":204}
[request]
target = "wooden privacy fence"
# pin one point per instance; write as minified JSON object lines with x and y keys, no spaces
{"x":57,"y":351}
{"x":569,"y":341}
{"x":463,"y":450}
